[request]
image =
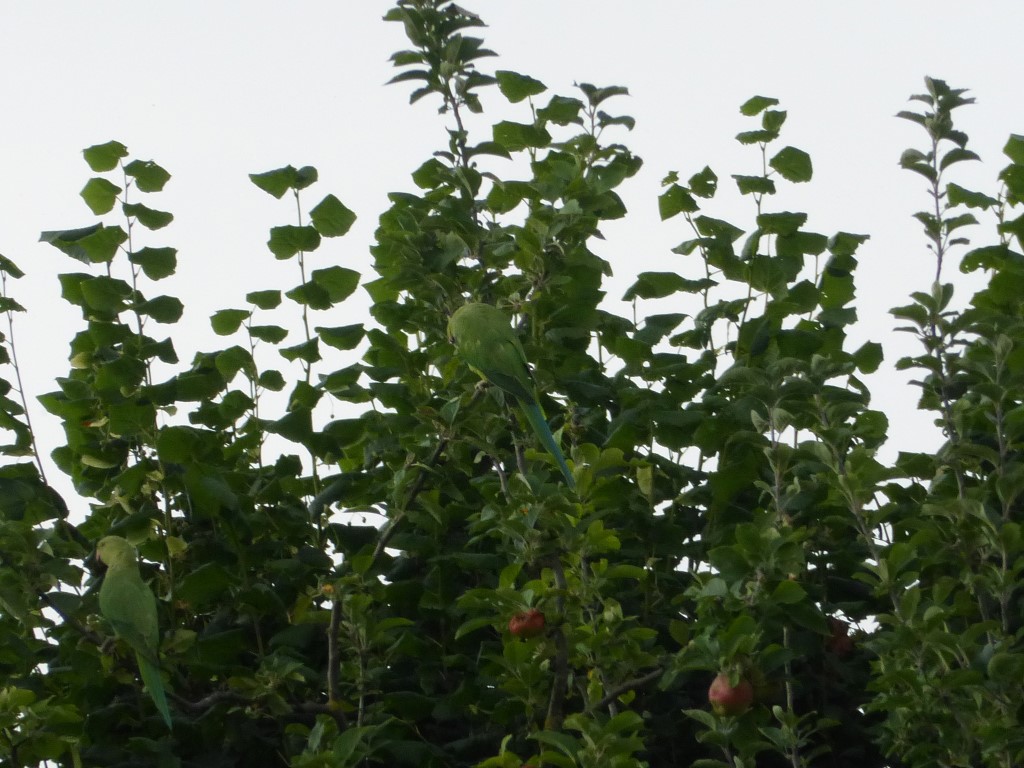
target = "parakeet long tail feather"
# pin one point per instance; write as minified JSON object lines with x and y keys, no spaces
{"x":155,"y":685}
{"x":536,"y":418}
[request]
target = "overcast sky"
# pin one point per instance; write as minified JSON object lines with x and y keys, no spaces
{"x":215,"y":91}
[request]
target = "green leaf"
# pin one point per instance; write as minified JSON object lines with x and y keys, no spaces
{"x":105,"y":294}
{"x":163,"y":309}
{"x":264,"y":299}
{"x":1014,"y":148}
{"x":338,"y":282}
{"x":505,"y":196}
{"x":801,"y":244}
{"x":785,"y":223}
{"x":488,"y":148}
{"x":68,"y":240}
{"x":990,"y":257}
{"x":331,"y":218}
{"x":71,"y":287}
{"x":227,"y":321}
{"x":756,"y":104}
{"x":788,"y":592}
{"x":310,"y":295}
{"x":756,"y":137}
{"x":288,"y":240}
{"x":657,"y":285}
{"x":149,"y":177}
{"x":756,"y":185}
{"x":471,"y":625}
{"x":704,"y":184}
{"x":773,"y":119}
{"x":604,"y":120}
{"x":911,"y":116}
{"x":957,"y":195}
{"x":792,"y":164}
{"x":434,"y":174}
{"x":92,"y":245}
{"x":232,"y":360}
{"x":517,"y":87}
{"x":913,"y":156}
{"x":956,"y":155}
{"x":956,"y":222}
{"x":275,"y":182}
{"x":561,"y":110}
{"x":104,"y":157}
{"x":272,"y":334}
{"x":199,"y":384}
{"x":296,"y":426}
{"x":156,"y":263}
{"x":8,"y":267}
{"x":560,"y":741}
{"x":1006,"y":666}
{"x":868,"y":357}
{"x":280,"y":180}
{"x":206,"y":583}
{"x":148,"y":217}
{"x":595,"y":96}
{"x":272,"y":380}
{"x":674,"y":200}
{"x":923,"y":168}
{"x":717,"y":228}
{"x":309,"y":351}
{"x":518,"y":136}
{"x":306,"y":176}
{"x":845,"y":243}
{"x":706,"y":719}
{"x":342,"y":337}
{"x":130,"y":418}
{"x":100,"y":195}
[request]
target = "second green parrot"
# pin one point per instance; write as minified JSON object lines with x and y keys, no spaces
{"x":488,"y":345}
{"x":129,"y":606}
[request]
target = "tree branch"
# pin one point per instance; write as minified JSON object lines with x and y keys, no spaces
{"x":636,"y":682}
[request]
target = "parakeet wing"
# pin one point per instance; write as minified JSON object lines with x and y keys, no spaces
{"x":130,"y":607}
{"x":127,"y":603}
{"x":489,"y":346}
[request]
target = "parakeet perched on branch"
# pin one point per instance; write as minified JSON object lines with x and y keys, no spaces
{"x":129,"y":606}
{"x":488,"y":345}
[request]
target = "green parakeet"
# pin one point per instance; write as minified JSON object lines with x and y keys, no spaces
{"x":488,"y":345}
{"x":129,"y":606}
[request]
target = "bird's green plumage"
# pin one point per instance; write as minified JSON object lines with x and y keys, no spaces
{"x":488,"y":345}
{"x":127,"y":603}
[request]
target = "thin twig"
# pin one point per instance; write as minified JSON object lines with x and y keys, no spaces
{"x":333,"y":662}
{"x":417,"y":486}
{"x":71,"y":621}
{"x":560,"y":685}
{"x":636,"y":682}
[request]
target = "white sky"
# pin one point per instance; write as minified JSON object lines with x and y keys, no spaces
{"x":214,"y":91}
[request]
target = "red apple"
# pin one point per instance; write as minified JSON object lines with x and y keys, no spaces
{"x":526,"y":623}
{"x":729,"y":699}
{"x":839,"y":641}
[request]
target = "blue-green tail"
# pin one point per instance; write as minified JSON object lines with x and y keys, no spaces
{"x":535,"y":416}
{"x":155,"y":686}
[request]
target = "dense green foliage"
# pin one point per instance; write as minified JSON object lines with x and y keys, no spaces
{"x":339,"y":528}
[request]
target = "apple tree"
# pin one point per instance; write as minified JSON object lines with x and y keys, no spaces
{"x":362,"y":556}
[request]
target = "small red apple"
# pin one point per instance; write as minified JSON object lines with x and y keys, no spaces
{"x":526,"y":624}
{"x":729,"y":699}
{"x":839,"y":641}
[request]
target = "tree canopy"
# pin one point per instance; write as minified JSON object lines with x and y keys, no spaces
{"x":362,"y":555}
